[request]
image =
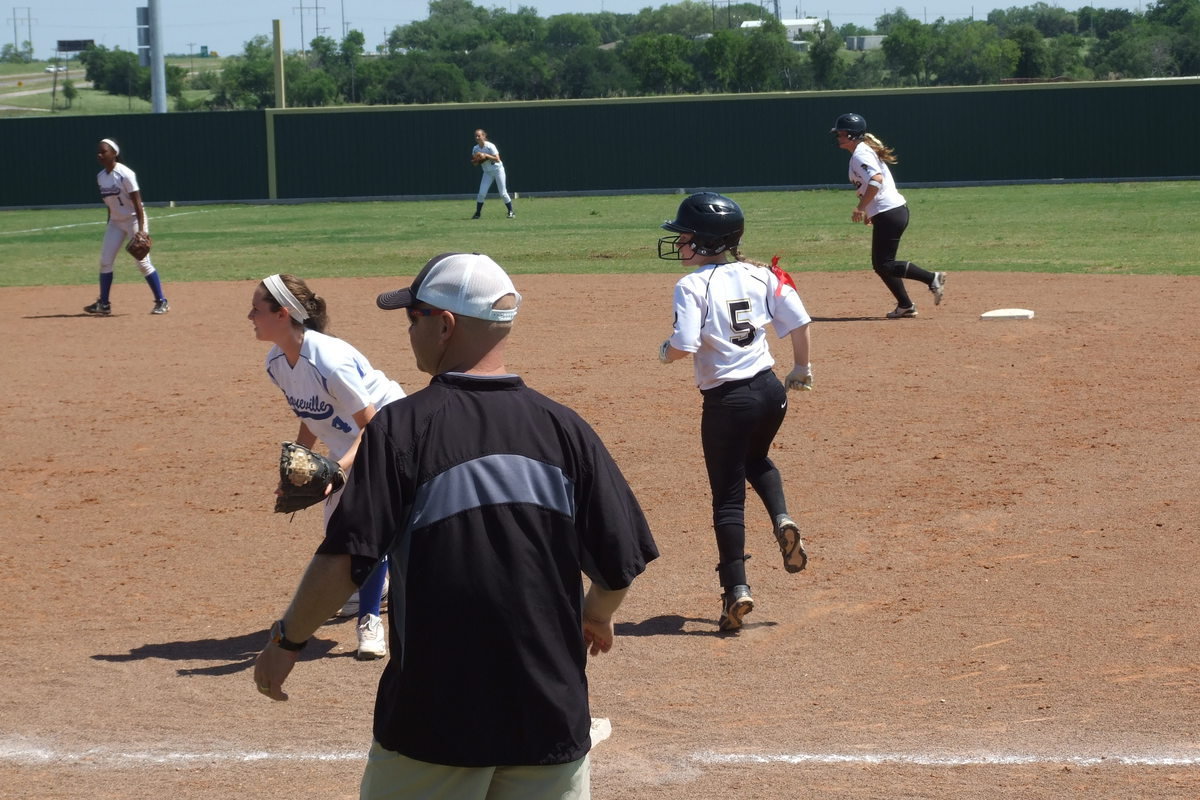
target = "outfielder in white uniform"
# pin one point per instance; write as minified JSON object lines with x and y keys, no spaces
{"x":721,"y":313}
{"x":126,"y":216}
{"x":335,"y":392}
{"x":881,"y":206}
{"x":487,"y":156}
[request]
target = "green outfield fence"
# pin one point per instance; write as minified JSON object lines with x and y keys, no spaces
{"x":1094,"y":131}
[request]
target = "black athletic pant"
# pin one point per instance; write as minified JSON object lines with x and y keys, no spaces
{"x":887,"y":228}
{"x":738,"y":424}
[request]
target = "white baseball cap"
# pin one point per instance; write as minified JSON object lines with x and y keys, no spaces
{"x":464,"y":283}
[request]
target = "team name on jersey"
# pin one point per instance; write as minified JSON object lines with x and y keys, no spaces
{"x":311,"y":407}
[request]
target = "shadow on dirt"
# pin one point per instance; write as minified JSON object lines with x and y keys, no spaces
{"x":674,"y":625}
{"x":238,"y":651}
{"x":80,"y":315}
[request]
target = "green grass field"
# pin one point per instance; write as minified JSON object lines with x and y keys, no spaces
{"x":89,"y":102}
{"x":1122,"y":228}
{"x":17,"y":79}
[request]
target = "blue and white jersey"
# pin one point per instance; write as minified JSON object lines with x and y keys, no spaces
{"x":329,"y":384}
{"x":115,"y":190}
{"x":866,"y":164}
{"x":721,"y":313}
{"x":491,"y":150}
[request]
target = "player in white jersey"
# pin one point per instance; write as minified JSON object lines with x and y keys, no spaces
{"x":126,"y":216}
{"x":881,"y":206}
{"x":335,"y":392}
{"x":487,"y":156}
{"x":721,"y":313}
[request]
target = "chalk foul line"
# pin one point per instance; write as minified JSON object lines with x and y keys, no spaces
{"x":149,"y":218}
{"x":955,"y":760}
{"x":28,"y":752}
{"x":21,"y":751}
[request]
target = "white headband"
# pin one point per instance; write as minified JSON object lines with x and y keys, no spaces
{"x":113,"y":145}
{"x":285,"y":298}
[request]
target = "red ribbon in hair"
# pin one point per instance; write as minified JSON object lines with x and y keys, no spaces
{"x":783,"y":277}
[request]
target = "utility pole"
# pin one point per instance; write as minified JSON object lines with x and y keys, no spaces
{"x":301,"y":7}
{"x":191,"y":63}
{"x":316,"y":9}
{"x":28,"y":27}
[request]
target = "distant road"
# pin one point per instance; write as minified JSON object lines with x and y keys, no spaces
{"x":45,"y":80}
{"x":35,"y":83}
{"x":44,"y":90}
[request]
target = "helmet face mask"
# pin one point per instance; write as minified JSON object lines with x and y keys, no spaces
{"x":853,"y":124}
{"x":669,"y":248}
{"x":715,"y":223}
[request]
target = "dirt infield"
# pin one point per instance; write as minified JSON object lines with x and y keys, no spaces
{"x":1002,"y":518}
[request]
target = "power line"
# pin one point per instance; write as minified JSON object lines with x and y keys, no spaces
{"x":28,"y":27}
{"x":316,"y":9}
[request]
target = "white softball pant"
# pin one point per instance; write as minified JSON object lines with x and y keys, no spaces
{"x":485,"y":183}
{"x":114,"y":236}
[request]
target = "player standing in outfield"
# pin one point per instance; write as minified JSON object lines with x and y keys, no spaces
{"x":721,"y":313}
{"x":881,"y":206}
{"x":126,"y":216}
{"x":494,"y":500}
{"x":487,"y":156}
{"x":335,"y":392}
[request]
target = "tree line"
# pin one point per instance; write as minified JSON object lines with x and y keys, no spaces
{"x":468,"y":53}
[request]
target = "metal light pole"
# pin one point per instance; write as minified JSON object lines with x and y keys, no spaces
{"x":158,"y":66}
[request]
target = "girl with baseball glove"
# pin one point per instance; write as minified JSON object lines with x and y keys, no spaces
{"x":486,"y":156}
{"x":126,"y":218}
{"x":335,"y":392}
{"x":722,"y":309}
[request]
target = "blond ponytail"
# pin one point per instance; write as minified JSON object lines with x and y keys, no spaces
{"x":884,"y":152}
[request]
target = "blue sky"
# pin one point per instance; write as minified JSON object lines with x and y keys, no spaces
{"x":224,"y":25}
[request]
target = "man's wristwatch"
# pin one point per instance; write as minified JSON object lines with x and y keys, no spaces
{"x":280,"y":638}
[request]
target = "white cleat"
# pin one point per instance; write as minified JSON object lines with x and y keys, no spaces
{"x":372,"y":638}
{"x":938,"y":287}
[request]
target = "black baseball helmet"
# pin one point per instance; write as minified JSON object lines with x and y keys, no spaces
{"x":853,"y":124}
{"x":715,"y":222}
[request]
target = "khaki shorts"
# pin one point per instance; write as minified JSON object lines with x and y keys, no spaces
{"x":391,"y":776}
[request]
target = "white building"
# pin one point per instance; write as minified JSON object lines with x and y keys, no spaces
{"x":795,"y":27}
{"x":873,"y":42}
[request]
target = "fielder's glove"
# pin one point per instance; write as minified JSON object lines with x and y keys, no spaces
{"x":662,"y":351}
{"x":305,"y":478}
{"x":139,"y":245}
{"x":800,"y":378}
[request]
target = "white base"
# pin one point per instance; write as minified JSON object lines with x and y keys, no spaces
{"x":1007,"y":313}
{"x":601,"y":730}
